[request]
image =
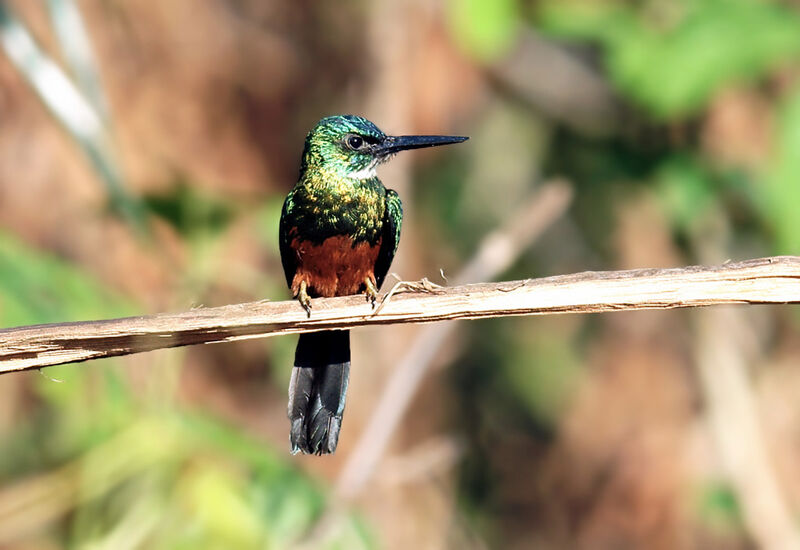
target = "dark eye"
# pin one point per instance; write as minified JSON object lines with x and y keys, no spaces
{"x":355,"y":142}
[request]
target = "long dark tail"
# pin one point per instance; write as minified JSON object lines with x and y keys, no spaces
{"x":317,"y":390}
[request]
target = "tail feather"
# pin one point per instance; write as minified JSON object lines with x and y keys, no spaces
{"x":317,"y":391}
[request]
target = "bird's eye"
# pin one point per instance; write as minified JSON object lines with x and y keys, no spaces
{"x":354,"y":142}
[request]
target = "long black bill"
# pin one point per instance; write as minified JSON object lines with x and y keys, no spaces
{"x":393,"y":144}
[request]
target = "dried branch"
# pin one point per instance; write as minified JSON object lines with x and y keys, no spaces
{"x":765,"y":280}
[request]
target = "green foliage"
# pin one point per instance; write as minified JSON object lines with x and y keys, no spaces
{"x":781,"y":190}
{"x":541,"y":369}
{"x":521,"y":371}
{"x":685,"y":190}
{"x":181,"y":479}
{"x":36,"y":287}
{"x":718,"y":508}
{"x":268,"y":220}
{"x":486,"y":29}
{"x":190,"y":210}
{"x":185,"y":481}
{"x":674,"y":70}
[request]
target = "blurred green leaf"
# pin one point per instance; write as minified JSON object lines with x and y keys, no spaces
{"x":781,"y":193}
{"x":603,"y":22}
{"x":36,"y":287}
{"x":268,"y":219}
{"x":673,"y":71}
{"x":190,"y":210}
{"x":486,"y":29}
{"x":685,"y":190}
{"x":718,"y":508}
{"x":286,"y":500}
{"x":541,"y":369}
{"x":215,"y":501}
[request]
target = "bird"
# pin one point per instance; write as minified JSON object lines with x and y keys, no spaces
{"x":338,"y":233}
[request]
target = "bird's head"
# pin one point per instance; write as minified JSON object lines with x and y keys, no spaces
{"x":352,"y":146}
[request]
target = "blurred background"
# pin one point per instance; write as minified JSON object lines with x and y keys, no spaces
{"x":145,"y":151}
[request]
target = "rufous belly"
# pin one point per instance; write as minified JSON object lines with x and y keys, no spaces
{"x":335,"y":267}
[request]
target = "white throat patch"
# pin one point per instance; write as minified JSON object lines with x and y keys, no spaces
{"x":365,"y":173}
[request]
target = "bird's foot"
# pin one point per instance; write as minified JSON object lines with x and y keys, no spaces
{"x":304,"y":298}
{"x":371,"y":292}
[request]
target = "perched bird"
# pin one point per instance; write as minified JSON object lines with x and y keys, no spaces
{"x":339,"y":231}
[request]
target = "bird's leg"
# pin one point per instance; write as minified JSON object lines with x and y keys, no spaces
{"x":371,"y":292}
{"x":304,"y":298}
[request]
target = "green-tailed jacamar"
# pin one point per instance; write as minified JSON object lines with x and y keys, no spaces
{"x":339,"y":231}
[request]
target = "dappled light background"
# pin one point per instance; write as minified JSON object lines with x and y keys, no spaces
{"x":145,"y":151}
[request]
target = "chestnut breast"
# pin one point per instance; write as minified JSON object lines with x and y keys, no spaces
{"x":334,"y":267}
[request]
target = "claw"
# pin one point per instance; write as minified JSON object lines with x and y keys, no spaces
{"x":371,"y":292}
{"x":304,"y":298}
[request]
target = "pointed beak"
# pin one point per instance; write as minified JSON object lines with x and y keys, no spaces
{"x":393,"y":144}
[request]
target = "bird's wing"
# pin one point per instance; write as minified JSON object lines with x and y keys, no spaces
{"x":392,"y":220}
{"x":288,"y":255}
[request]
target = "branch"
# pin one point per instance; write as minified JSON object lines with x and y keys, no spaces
{"x":764,"y":280}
